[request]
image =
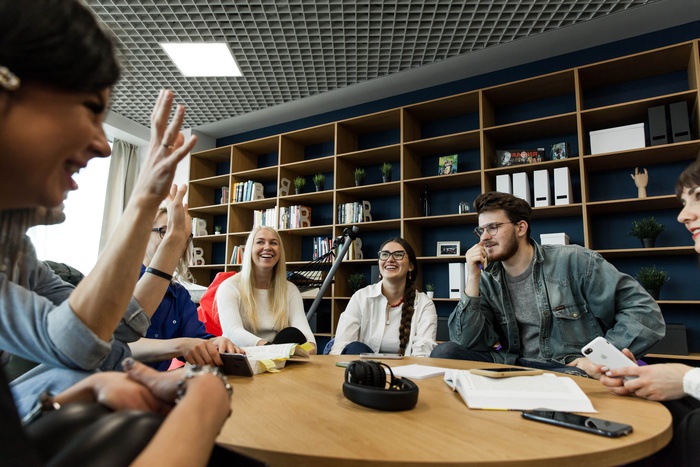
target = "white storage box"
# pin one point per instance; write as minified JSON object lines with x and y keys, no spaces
{"x":620,"y":138}
{"x":554,"y":239}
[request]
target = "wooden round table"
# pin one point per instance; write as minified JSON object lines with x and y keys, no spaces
{"x":299,"y":417}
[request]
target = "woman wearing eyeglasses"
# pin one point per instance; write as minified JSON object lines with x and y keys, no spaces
{"x":175,"y":330}
{"x":390,"y":316}
{"x":259,"y":305}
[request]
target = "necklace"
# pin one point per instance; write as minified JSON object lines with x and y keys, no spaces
{"x":389,"y":307}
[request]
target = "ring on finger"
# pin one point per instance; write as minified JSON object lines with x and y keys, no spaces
{"x":167,"y":146}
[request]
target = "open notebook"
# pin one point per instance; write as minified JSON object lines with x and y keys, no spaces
{"x":519,"y":392}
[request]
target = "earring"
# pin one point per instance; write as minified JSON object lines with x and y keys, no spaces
{"x":8,"y":80}
{"x":410,"y":275}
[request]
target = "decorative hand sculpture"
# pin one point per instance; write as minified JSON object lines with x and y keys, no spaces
{"x":640,"y":180}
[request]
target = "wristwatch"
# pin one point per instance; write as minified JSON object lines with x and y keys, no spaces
{"x":44,"y":404}
{"x":196,"y":370}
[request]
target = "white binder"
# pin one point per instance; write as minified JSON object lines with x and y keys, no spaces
{"x":503,"y":184}
{"x":562,"y":186}
{"x":457,"y":279}
{"x":541,"y":188}
{"x":521,"y":187}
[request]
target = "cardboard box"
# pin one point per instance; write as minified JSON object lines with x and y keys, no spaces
{"x":554,"y":239}
{"x":620,"y":138}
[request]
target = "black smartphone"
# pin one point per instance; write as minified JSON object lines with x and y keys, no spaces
{"x":579,"y":422}
{"x":236,"y":365}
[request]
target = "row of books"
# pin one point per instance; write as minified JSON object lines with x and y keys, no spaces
{"x":247,"y":191}
{"x":322,"y":245}
{"x":283,"y":217}
{"x":237,"y":255}
{"x":358,"y":211}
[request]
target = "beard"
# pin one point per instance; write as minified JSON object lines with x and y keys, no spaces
{"x":508,"y":248}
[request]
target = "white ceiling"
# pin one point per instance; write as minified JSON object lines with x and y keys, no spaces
{"x":301,"y":58}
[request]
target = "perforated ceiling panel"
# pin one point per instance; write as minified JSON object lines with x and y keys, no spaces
{"x":288,"y":50}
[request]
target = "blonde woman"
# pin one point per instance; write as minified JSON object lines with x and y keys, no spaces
{"x":259,"y":305}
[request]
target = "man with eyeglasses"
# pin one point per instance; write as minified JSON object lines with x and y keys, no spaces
{"x":537,"y":305}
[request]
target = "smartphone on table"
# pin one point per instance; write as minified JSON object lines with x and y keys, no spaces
{"x":601,"y":352}
{"x":505,"y":372}
{"x":381,"y":356}
{"x":597,"y":426}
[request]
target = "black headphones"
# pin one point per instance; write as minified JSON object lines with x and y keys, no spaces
{"x":366,"y":384}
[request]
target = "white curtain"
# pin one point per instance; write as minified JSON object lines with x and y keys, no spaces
{"x":123,"y":170}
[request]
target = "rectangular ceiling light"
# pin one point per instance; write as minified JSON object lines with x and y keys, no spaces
{"x":202,"y":59}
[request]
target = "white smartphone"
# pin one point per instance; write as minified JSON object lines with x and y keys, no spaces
{"x":601,"y":352}
{"x":505,"y":372}
{"x":381,"y":356}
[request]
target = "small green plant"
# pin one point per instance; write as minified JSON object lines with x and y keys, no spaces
{"x":646,"y":228}
{"x":429,"y":287}
{"x":386,"y":170}
{"x":299,"y":183}
{"x":359,"y":176}
{"x":357,"y":281}
{"x":652,"y":278}
{"x":319,"y":178}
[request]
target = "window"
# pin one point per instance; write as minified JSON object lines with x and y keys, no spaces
{"x":76,"y":241}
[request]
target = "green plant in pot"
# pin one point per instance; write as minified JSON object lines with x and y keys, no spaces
{"x":647,"y":229}
{"x":357,"y":281}
{"x":299,"y":183}
{"x":359,"y":176}
{"x":319,"y":180}
{"x":430,"y":290}
{"x":385,"y":169}
{"x":652,"y":278}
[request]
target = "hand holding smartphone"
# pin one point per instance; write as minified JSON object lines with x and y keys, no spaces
{"x":596,"y":426}
{"x":505,"y":372}
{"x":601,"y":352}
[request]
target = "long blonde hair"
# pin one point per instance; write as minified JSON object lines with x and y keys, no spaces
{"x":277,"y":288}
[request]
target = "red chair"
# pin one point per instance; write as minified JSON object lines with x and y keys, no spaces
{"x":207,"y":311}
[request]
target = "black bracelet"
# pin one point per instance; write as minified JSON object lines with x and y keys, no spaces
{"x":158,"y":273}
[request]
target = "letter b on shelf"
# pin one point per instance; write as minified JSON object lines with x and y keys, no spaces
{"x":284,"y":186}
{"x":304,"y":217}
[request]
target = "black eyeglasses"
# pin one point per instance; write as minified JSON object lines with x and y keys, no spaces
{"x":162,"y":230}
{"x":491,"y":229}
{"x":398,"y":255}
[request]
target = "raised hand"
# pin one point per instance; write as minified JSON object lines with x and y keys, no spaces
{"x":640,"y":180}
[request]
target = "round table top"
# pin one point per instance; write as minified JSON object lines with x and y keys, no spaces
{"x":299,"y":416}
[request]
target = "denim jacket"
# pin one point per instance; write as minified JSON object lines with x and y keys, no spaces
{"x":579,"y":296}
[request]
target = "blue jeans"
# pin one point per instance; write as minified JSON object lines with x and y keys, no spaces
{"x":457,"y":352}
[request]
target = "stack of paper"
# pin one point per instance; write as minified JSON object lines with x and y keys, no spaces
{"x":519,"y":392}
{"x":416,"y":371}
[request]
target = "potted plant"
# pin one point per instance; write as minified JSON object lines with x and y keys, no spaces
{"x":647,"y":229}
{"x":319,"y":178}
{"x":386,"y":172}
{"x":357,"y":281}
{"x":430,"y":290}
{"x":299,"y":183}
{"x":217,"y":229}
{"x":652,"y":278}
{"x":359,"y":176}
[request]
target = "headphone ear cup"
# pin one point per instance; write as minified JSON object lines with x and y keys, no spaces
{"x":365,"y":384}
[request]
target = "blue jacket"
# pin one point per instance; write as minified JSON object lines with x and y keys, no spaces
{"x":580,"y":296}
{"x":176,"y":316}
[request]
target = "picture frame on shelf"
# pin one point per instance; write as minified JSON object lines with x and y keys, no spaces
{"x":559,"y":151}
{"x":447,"y":164}
{"x":450,"y":248}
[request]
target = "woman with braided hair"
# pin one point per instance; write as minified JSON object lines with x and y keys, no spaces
{"x":390,"y":316}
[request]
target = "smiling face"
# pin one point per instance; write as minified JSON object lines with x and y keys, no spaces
{"x":393,"y":269}
{"x":46,"y":136}
{"x":266,"y":250}
{"x":690,"y":214}
{"x":505,"y":243}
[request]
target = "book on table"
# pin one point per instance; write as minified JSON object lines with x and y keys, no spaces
{"x":547,"y":391}
{"x":273,"y":357}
